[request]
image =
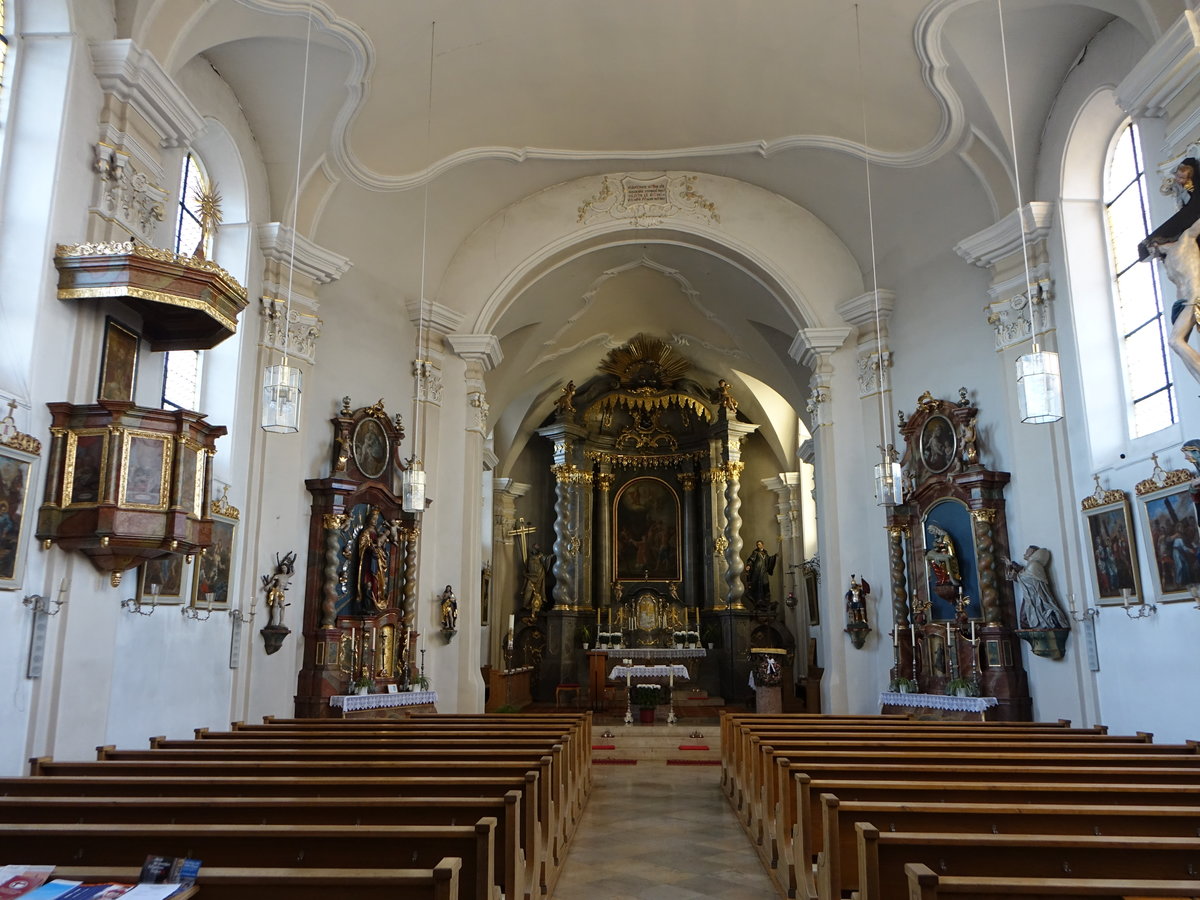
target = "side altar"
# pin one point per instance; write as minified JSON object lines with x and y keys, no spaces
{"x":647,"y":549}
{"x":360,"y":587}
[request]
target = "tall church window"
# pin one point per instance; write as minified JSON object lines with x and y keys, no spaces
{"x":3,"y":45}
{"x":1141,"y":325}
{"x":181,"y":368}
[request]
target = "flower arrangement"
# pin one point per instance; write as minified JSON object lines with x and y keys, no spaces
{"x":647,"y":696}
{"x":692,"y":638}
{"x":680,"y":637}
{"x":362,"y":684}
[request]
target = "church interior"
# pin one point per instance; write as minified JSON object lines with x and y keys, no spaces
{"x":450,"y":355}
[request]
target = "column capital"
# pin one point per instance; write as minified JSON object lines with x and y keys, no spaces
{"x":813,"y":346}
{"x":439,"y":319}
{"x":133,"y":76}
{"x":312,"y":261}
{"x":481,"y":348}
{"x":860,"y":312}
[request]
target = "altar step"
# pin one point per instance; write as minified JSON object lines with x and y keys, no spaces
{"x":657,"y":744}
{"x":696,"y":698}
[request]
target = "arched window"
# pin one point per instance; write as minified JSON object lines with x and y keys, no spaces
{"x":3,"y":44}
{"x":1141,"y":326}
{"x":181,"y":368}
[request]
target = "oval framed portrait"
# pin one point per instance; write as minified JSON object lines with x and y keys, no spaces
{"x":370,"y":446}
{"x":939,"y":444}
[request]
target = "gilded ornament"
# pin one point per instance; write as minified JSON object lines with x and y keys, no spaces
{"x":604,"y":481}
{"x":687,"y":480}
{"x":130,"y":248}
{"x":222,"y":507}
{"x":1101,"y":497}
{"x":897,"y":531}
{"x":720,"y":545}
{"x":987,"y":514}
{"x":335,"y":521}
{"x":1160,"y":478}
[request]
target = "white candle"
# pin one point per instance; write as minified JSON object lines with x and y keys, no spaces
{"x":1071,"y":601}
{"x":972,"y":631}
{"x":372,"y":640}
{"x":896,"y":636}
{"x":912,"y":634}
{"x":948,"y":635}
{"x":1125,"y":594}
{"x":511,"y":621}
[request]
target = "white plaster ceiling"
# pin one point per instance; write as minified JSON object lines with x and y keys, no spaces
{"x":532,"y":93}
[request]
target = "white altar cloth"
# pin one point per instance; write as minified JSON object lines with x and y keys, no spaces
{"x":678,"y":671}
{"x":655,"y":652}
{"x":938,"y":701}
{"x":352,"y":702}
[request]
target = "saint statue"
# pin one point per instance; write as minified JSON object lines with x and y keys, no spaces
{"x":942,"y":557}
{"x":533,"y":590}
{"x":373,"y":564}
{"x":276,"y":586}
{"x":856,"y":601}
{"x":449,"y":610}
{"x":1039,"y":607}
{"x":760,"y":566}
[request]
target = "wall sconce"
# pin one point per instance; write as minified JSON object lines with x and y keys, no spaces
{"x":43,"y":605}
{"x":193,"y":612}
{"x":135,"y":604}
{"x":1089,"y":612}
{"x":1143,"y":609}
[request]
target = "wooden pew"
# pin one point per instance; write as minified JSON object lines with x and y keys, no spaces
{"x":882,"y":857}
{"x":837,"y":870}
{"x":540,"y":867}
{"x":266,"y":846}
{"x":511,"y":855}
{"x":550,"y":812}
{"x":218,"y":883}
{"x":925,"y":884}
{"x":788,"y":834}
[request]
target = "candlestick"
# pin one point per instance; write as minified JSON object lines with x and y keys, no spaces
{"x":912,"y":633}
{"x":948,"y":633}
{"x":511,"y":621}
{"x":1071,"y":601}
{"x":372,"y":640}
{"x":972,"y":631}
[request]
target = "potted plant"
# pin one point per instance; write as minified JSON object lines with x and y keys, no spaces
{"x":584,"y":635}
{"x":646,"y":697}
{"x":903,"y":686}
{"x":693,"y":638}
{"x":680,"y":637}
{"x":422,"y":682}
{"x":711,"y":634}
{"x":961,"y":687}
{"x":362,"y":684}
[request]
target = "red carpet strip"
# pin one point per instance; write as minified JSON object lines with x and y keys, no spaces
{"x":604,"y":746}
{"x":614,"y":762}
{"x":687,"y":762}
{"x":693,"y":746}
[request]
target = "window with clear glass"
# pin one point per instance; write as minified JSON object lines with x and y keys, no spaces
{"x":3,"y":44}
{"x":181,"y":368}
{"x":1141,"y":325}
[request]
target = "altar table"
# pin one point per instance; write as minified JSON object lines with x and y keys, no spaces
{"x":937,"y":706}
{"x":384,"y":706}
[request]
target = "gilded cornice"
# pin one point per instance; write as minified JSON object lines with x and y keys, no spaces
{"x":1101,"y":497}
{"x":983,"y":515}
{"x":335,"y":521}
{"x":130,"y":248}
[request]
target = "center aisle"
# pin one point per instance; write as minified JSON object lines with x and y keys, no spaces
{"x":654,"y":831}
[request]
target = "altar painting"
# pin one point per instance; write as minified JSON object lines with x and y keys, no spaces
{"x":646,"y":528}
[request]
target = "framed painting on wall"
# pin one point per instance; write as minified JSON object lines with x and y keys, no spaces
{"x":16,"y":488}
{"x":1172,"y":533}
{"x":118,"y":365}
{"x":162,"y":578}
{"x":214,"y":567}
{"x":1110,"y":533}
{"x":646,"y":526}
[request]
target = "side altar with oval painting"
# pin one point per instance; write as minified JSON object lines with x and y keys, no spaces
{"x":360,"y":622}
{"x":953,"y":612}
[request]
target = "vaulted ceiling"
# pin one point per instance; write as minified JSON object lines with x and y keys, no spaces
{"x":499,"y":101}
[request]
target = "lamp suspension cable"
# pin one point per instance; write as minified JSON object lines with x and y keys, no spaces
{"x":887,"y":471}
{"x":282,"y":383}
{"x":1039,"y":385}
{"x":413,"y":493}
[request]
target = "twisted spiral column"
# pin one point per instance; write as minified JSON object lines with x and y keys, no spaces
{"x":563,"y":549}
{"x":896,"y":536}
{"x":985,"y":549}
{"x":733,"y":534}
{"x":334,"y":523}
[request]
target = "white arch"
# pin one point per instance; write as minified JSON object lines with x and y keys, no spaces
{"x":795,"y":256}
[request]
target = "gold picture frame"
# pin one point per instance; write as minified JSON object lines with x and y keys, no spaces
{"x":213,"y":571}
{"x":17,"y":472}
{"x":1112,"y":548}
{"x":1172,"y":533}
{"x":146,"y":470}
{"x":118,"y":362}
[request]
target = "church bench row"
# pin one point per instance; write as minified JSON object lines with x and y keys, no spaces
{"x":514,"y":845}
{"x":838,"y":867}
{"x":882,"y":857}
{"x":555,"y":811}
{"x":752,"y":783}
{"x":267,"y":846}
{"x":925,"y":884}
{"x":806,"y":837}
{"x":364,"y":793}
{"x":242,"y":883}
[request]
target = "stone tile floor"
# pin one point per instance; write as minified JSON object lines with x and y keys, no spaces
{"x":659,"y":832}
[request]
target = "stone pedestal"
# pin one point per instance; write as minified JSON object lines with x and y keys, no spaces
{"x":768,"y":699}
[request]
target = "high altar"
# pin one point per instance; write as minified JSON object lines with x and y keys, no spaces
{"x":648,"y":549}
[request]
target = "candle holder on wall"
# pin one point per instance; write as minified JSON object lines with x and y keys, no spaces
{"x":1136,"y":610}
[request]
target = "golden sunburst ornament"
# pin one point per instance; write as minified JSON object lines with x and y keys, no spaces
{"x":208,"y":205}
{"x":645,"y":362}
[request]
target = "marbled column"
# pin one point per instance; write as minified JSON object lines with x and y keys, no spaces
{"x":602,"y":569}
{"x":717,"y":542}
{"x":331,"y":581}
{"x":896,"y":535}
{"x":736,"y":588}
{"x":691,"y":566}
{"x":564,"y":555}
{"x":985,"y":552}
